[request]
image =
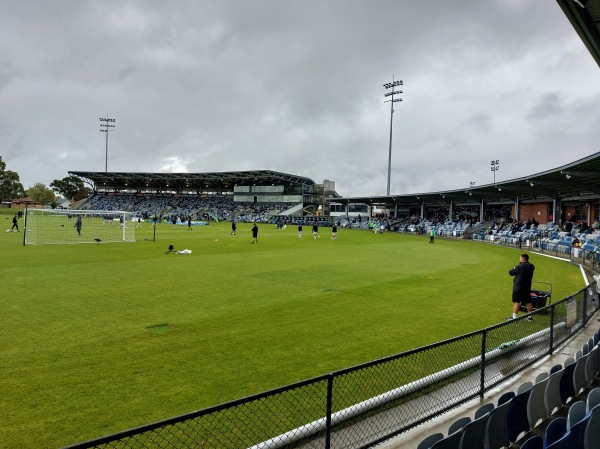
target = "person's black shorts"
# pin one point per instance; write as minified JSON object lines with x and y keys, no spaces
{"x":523,"y":297}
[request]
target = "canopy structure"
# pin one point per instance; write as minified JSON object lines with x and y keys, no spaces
{"x":584,"y":15}
{"x":579,"y":180}
{"x":188,"y":182}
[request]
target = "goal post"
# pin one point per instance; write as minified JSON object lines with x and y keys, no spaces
{"x":64,"y":226}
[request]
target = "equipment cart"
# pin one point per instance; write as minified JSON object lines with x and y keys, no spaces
{"x":541,"y":295}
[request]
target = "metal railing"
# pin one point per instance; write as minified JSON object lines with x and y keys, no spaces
{"x":364,"y":405}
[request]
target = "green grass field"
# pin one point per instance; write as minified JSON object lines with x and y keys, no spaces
{"x":98,"y":338}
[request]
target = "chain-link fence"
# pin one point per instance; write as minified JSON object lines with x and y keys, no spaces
{"x":361,"y":406}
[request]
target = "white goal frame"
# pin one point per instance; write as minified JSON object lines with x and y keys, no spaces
{"x":59,"y":226}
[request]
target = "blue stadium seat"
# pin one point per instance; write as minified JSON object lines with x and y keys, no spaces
{"x":556,"y":429}
{"x":517,"y":416}
{"x":591,"y":435}
{"x":561,"y":443}
{"x":450,"y":442}
{"x":462,"y":422}
{"x":595,"y":362}
{"x":577,"y":432}
{"x":472,"y":434}
{"x":430,"y":440}
{"x":505,"y":397}
{"x":483,"y":410}
{"x":567,"y":390}
{"x":495,"y":434}
{"x":535,"y":442}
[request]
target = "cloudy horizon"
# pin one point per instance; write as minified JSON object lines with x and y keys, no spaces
{"x":296,"y":87}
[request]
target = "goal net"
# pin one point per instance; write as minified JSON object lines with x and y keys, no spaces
{"x":60,"y":226}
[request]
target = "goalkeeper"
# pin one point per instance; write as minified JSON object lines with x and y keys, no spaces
{"x":78,"y":226}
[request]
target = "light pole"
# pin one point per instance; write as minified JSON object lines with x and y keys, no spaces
{"x":495,"y":167}
{"x":105,"y":127}
{"x":391,"y":101}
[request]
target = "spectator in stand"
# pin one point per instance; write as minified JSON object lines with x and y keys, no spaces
{"x":569,"y":227}
{"x":576,"y":243}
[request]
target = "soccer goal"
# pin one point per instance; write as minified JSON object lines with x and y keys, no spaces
{"x":60,"y":226}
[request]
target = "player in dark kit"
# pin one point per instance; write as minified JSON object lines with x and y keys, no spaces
{"x":254,"y":233}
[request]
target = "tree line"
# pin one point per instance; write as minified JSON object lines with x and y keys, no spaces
{"x":70,"y":187}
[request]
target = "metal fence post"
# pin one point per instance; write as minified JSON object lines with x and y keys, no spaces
{"x":329,"y":408}
{"x":585,"y":301}
{"x":482,"y":380}
{"x":551,"y":330}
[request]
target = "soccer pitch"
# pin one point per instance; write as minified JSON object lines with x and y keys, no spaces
{"x":98,"y":338}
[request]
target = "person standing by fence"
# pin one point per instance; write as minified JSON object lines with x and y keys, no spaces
{"x":523,"y":275}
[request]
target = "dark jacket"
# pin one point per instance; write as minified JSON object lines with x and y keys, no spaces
{"x":523,"y":274}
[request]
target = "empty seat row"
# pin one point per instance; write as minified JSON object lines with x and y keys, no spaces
{"x":516,"y":414}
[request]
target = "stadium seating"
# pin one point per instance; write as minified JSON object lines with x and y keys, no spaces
{"x":483,"y":410}
{"x":591,"y":436}
{"x":557,"y":428}
{"x":534,"y":442}
{"x":472,"y":434}
{"x":430,"y":440}
{"x":449,"y":442}
{"x":593,"y":400}
{"x":505,"y":397}
{"x":567,"y":389}
{"x":495,"y":435}
{"x":576,"y":413}
{"x":458,"y":424}
{"x":579,"y":378}
{"x":577,"y":431}
{"x":517,"y":421}
{"x":552,"y":399}
{"x":536,"y":410}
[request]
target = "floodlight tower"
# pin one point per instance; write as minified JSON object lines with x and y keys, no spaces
{"x":105,"y":127}
{"x":391,"y":101}
{"x":495,"y":166}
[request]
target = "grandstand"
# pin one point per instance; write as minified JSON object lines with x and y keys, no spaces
{"x":244,"y":196}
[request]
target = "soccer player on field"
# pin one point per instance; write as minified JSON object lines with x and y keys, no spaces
{"x":78,"y":226}
{"x":315,"y":230}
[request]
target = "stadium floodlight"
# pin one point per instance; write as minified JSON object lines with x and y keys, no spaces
{"x":495,"y":166}
{"x":105,"y":125}
{"x":391,"y":101}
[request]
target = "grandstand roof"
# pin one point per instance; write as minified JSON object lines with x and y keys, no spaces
{"x":579,"y":180}
{"x":188,"y":181}
{"x":584,"y":15}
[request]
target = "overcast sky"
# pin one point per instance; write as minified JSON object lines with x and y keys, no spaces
{"x":296,"y":87}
